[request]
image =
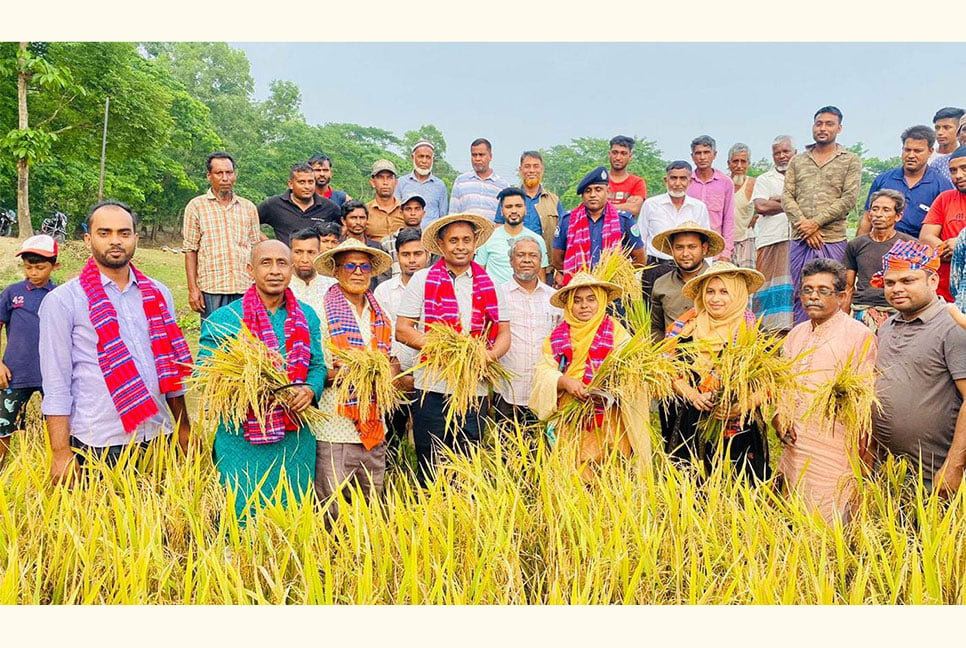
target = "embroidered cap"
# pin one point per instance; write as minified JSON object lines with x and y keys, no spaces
{"x":597,"y":176}
{"x":423,"y":142}
{"x":907,"y":255}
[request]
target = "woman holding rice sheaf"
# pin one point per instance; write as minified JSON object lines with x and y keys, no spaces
{"x":572,"y":355}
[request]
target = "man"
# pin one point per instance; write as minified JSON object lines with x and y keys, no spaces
{"x":821,"y":188}
{"x":714,"y":189}
{"x":219,"y":229}
{"x":254,"y":459}
{"x":412,"y":257}
{"x":961,"y":133}
{"x":625,"y":191}
{"x":744,"y":185}
{"x":773,"y":302}
{"x":594,"y":226}
{"x":945,"y":121}
{"x":820,"y":455}
{"x":351,"y":446}
{"x":532,"y":319}
{"x":307,"y":285}
{"x":355,"y":219}
{"x":474,"y":192}
{"x":946,"y":219}
{"x":863,"y":258}
{"x":113,"y":356}
{"x":322,"y":167}
{"x":422,"y":181}
{"x":494,"y":255}
{"x":299,"y":207}
{"x":689,"y":245}
{"x":385,"y":215}
{"x":412,"y":209}
{"x":543,"y":207}
{"x":454,"y":292}
{"x":918,"y":182}
{"x":920,"y":371}
{"x":666,"y":211}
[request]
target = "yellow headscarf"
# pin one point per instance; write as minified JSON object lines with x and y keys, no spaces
{"x":718,"y":331}
{"x":581,"y":333}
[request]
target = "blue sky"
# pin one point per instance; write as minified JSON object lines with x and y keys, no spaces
{"x":535,"y":95}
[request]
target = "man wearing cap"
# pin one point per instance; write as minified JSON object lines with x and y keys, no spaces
{"x":422,"y":181}
{"x":299,"y":207}
{"x":322,"y":167}
{"x":455,"y":292}
{"x":544,"y":209}
{"x":946,"y":219}
{"x":595,"y":225}
{"x":351,"y":445}
{"x":411,"y":209}
{"x":689,"y":245}
{"x":666,"y":211}
{"x":494,"y":255}
{"x":385,"y":215}
{"x":474,"y":192}
{"x":921,"y":370}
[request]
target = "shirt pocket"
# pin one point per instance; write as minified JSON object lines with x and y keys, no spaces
{"x":715,"y":202}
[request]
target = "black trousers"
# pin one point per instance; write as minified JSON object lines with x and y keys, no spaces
{"x":649,"y":276}
{"x":110,"y":454}
{"x":430,"y":433}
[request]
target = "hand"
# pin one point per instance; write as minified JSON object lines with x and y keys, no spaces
{"x":702,"y":401}
{"x":947,"y":480}
{"x":573,"y":387}
{"x":63,"y":468}
{"x":806,"y":227}
{"x":815,"y":241}
{"x":945,"y":249}
{"x":195,"y":300}
{"x":777,"y":199}
{"x":5,"y":376}
{"x":406,"y":383}
{"x":299,"y":398}
{"x":726,"y":413}
{"x":785,"y":433}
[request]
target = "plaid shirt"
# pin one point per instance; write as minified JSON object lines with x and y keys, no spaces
{"x":223,"y":238}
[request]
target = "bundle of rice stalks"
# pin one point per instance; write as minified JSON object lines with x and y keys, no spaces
{"x":848,"y":398}
{"x":242,"y":374}
{"x":461,"y":361}
{"x":616,"y":267}
{"x":366,"y":374}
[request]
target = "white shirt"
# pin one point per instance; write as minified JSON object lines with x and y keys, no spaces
{"x":658,"y":214}
{"x":313,"y":293}
{"x":776,"y":228}
{"x":388,"y":294}
{"x":532,"y":319}
{"x":412,"y":303}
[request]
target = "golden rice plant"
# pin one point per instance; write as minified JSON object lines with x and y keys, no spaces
{"x":462,"y":361}
{"x":241,"y":374}
{"x":366,"y":374}
{"x":615,"y":266}
{"x":848,"y":398}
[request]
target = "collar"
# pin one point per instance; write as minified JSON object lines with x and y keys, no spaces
{"x":715,"y":175}
{"x":939,"y":306}
{"x":514,"y":286}
{"x":210,"y":195}
{"x":47,"y":286}
{"x":287,"y":197}
{"x":131,"y":279}
{"x":374,"y":205}
{"x":826,"y":327}
{"x":705,"y":266}
{"x":665,"y":198}
{"x":839,"y":149}
{"x":412,"y":176}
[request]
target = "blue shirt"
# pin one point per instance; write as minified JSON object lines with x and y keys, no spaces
{"x":433,"y":191}
{"x":631,"y":239}
{"x":531,"y":220}
{"x":19,"y":305}
{"x":918,"y":198}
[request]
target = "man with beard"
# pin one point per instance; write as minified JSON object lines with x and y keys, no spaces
{"x":918,"y":182}
{"x":385,"y":215}
{"x":821,"y":188}
{"x":322,"y":167}
{"x":307,"y":285}
{"x":946,"y":219}
{"x":474,"y":192}
{"x":773,"y":301}
{"x":422,"y":181}
{"x":219,"y":230}
{"x":945,"y":121}
{"x":543,"y":207}
{"x":355,"y":219}
{"x":743,"y":255}
{"x":625,"y":191}
{"x":532,"y":319}
{"x":594,"y":226}
{"x":113,"y":357}
{"x":715,"y":190}
{"x":494,"y":254}
{"x":299,"y":207}
{"x":688,"y":244}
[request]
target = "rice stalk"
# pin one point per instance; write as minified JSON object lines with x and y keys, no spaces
{"x":366,"y":375}
{"x":615,"y":266}
{"x":847,"y":398}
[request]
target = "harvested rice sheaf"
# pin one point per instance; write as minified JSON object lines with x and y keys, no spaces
{"x":366,"y":374}
{"x":847,"y":399}
{"x":617,"y":268}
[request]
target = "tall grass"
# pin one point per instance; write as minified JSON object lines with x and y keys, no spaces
{"x":513,"y":523}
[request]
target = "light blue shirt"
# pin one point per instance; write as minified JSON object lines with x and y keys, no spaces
{"x":474,"y":195}
{"x":433,"y":191}
{"x":494,"y":255}
{"x":74,"y":385}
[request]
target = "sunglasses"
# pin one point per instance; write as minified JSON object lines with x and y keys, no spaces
{"x":352,"y":267}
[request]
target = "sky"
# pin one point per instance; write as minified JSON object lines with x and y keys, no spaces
{"x":535,"y":95}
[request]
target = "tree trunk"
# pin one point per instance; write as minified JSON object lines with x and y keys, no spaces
{"x":23,"y":164}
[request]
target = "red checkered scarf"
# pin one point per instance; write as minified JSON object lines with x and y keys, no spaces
{"x":602,"y":344}
{"x":297,"y":353}
{"x":578,"y":254}
{"x":345,"y":333}
{"x":172,"y":359}
{"x":441,"y":305}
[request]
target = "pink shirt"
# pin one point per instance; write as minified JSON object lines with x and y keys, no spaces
{"x":718,"y":194}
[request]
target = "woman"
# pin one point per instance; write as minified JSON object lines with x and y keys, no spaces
{"x":572,"y":355}
{"x":721,"y":299}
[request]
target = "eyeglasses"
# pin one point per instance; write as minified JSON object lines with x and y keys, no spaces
{"x":352,"y":267}
{"x":808,"y":291}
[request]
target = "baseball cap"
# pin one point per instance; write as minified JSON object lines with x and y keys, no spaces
{"x":413,"y":196}
{"x":41,"y":244}
{"x":383,"y":165}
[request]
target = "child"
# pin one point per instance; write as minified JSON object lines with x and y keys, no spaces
{"x":19,"y":303}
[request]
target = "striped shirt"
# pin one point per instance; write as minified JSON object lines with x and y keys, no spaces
{"x":532,"y":320}
{"x":223,"y":238}
{"x":474,"y":195}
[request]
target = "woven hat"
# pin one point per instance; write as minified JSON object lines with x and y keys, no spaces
{"x":325,"y":263}
{"x":483,"y":227}
{"x":662,"y":241}
{"x":753,"y":278}
{"x":581,"y":280}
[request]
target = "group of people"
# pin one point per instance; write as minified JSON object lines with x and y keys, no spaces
{"x":718,"y":253}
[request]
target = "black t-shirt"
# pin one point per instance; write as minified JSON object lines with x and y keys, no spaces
{"x":864,"y":256}
{"x":286,"y":218}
